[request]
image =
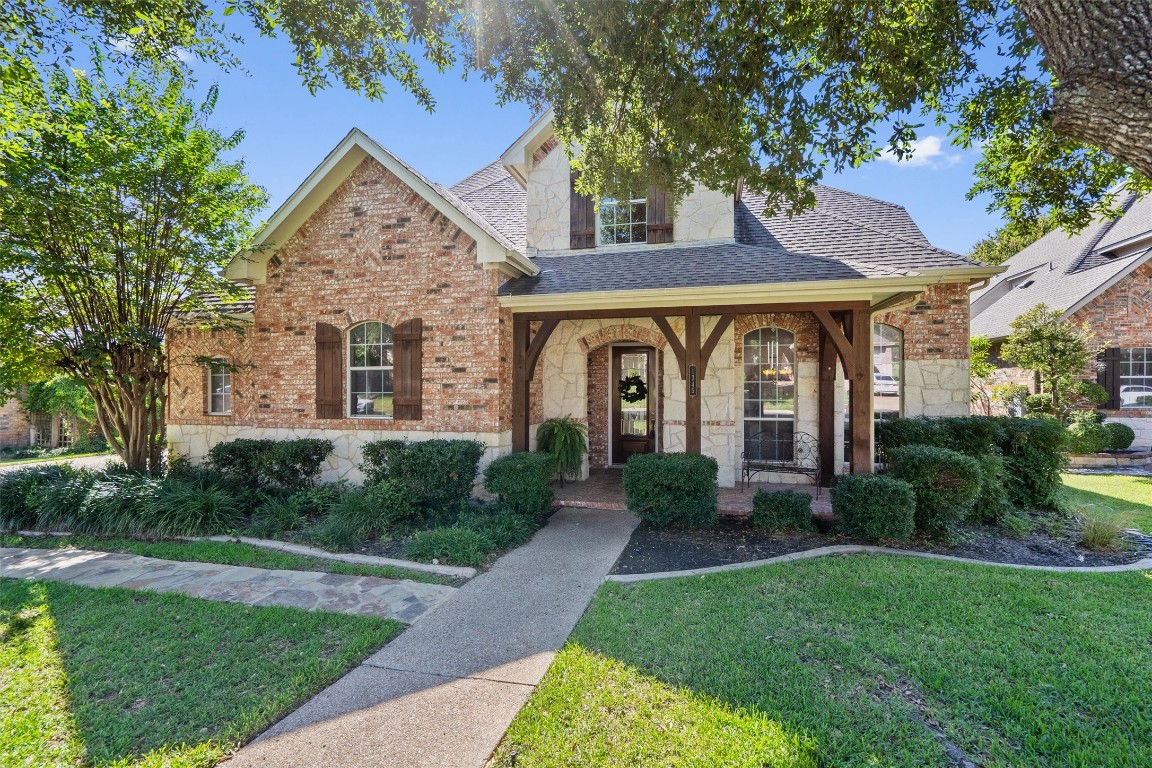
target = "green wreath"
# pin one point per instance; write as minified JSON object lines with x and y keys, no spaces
{"x":633,"y":389}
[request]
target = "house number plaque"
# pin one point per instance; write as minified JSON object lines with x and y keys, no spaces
{"x":692,"y":381}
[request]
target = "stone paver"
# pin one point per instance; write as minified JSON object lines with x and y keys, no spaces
{"x":404,"y":601}
{"x":442,"y":694}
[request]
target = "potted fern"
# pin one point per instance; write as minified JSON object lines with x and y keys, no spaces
{"x":567,"y":440}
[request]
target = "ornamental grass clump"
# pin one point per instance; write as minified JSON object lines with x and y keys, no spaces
{"x":454,"y":545}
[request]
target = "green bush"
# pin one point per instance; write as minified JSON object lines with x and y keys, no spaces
{"x":523,"y":481}
{"x":118,"y":505}
{"x":504,"y":527}
{"x":276,"y":515}
{"x":1087,"y":437}
{"x":58,"y":503}
{"x":240,"y":459}
{"x":1120,"y":436}
{"x":665,"y":488}
{"x":992,"y":504}
{"x":287,"y":464}
{"x":18,"y":492}
{"x":875,"y":507}
{"x":439,"y":473}
{"x":191,"y":507}
{"x":566,"y":439}
{"x":782,"y":511}
{"x":946,"y":484}
{"x":337,"y":532}
{"x":454,"y":545}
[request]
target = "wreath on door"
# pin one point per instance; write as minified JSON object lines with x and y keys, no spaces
{"x":633,"y":389}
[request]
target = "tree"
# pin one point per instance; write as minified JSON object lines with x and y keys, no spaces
{"x":114,"y":223}
{"x":980,"y":370}
{"x":1059,"y":352}
{"x":1009,"y":240}
{"x":1058,"y":93}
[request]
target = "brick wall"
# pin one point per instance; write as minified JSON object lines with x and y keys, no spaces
{"x":936,"y":327}
{"x":599,"y":399}
{"x":376,"y":251}
{"x":13,"y":425}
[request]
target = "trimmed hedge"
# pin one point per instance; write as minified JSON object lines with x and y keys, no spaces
{"x":1087,"y":437}
{"x":1032,"y":449}
{"x":875,"y":507}
{"x":1120,"y":436}
{"x":946,"y":484}
{"x":782,"y":511}
{"x":439,"y":473}
{"x":665,"y":488}
{"x":286,"y":464}
{"x":523,"y":481}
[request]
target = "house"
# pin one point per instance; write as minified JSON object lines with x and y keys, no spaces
{"x":15,"y":428}
{"x":385,"y":305}
{"x":1103,"y":276}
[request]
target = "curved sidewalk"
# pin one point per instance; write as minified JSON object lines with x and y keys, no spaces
{"x":404,"y":601}
{"x":442,"y":694}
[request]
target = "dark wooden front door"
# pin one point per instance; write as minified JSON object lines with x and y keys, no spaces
{"x":633,"y":423}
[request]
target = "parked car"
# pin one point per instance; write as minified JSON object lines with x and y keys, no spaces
{"x":884,"y":384}
{"x":1135,"y":396}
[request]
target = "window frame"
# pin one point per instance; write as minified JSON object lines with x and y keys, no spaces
{"x":615,"y":204}
{"x":898,"y":369}
{"x":1125,"y":362}
{"x":745,"y":419}
{"x":350,"y":368}
{"x":222,"y":369}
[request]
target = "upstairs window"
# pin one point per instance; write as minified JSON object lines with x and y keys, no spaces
{"x":370,"y":387}
{"x":623,"y":221}
{"x":219,"y":389}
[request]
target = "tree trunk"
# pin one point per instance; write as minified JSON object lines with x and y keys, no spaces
{"x":1100,"y":51}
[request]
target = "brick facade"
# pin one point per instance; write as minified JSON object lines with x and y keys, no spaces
{"x":936,"y":326}
{"x":14,"y":425}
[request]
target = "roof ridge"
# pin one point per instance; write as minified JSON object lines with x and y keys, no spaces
{"x":473,"y":175}
{"x":894,"y":236}
{"x":1090,"y":248}
{"x":889,"y":203}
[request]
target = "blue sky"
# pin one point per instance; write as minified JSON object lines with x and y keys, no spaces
{"x":289,"y":131}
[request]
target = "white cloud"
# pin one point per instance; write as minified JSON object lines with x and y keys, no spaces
{"x":928,"y":151}
{"x":124,"y":45}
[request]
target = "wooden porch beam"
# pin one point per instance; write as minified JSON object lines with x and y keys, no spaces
{"x":836,"y":335}
{"x":860,"y":399}
{"x":673,"y":342}
{"x":537,"y":346}
{"x":826,"y":407}
{"x":692,"y":410}
{"x":718,"y":309}
{"x":520,"y":379}
{"x":722,"y":325}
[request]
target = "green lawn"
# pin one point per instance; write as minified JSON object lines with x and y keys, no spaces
{"x":223,"y":553}
{"x":62,"y":457}
{"x":869,"y":661}
{"x":1124,"y":500}
{"x":114,"y":677}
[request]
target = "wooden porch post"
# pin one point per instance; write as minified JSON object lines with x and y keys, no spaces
{"x":520,"y":380}
{"x":692,"y":425}
{"x":860,"y":405}
{"x":826,"y":407}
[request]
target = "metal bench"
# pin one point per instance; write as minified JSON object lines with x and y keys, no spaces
{"x":769,"y":452}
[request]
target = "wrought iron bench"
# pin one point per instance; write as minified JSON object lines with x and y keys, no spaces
{"x":797,"y":455}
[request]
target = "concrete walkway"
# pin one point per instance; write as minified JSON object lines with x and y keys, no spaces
{"x":443,"y":693}
{"x":404,"y":601}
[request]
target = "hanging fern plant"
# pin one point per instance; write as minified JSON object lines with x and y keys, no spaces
{"x":567,"y":440}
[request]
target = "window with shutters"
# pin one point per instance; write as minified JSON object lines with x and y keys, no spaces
{"x":1134,"y":377}
{"x":370,"y":387}
{"x":219,"y":389}
{"x":623,"y":221}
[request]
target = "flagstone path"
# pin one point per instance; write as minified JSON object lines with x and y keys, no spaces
{"x":404,"y":601}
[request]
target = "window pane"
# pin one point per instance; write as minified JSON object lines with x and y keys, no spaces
{"x":359,"y":381}
{"x":372,"y":356}
{"x":357,"y":335}
{"x":887,"y":370}
{"x":769,"y":394}
{"x":1135,"y":374}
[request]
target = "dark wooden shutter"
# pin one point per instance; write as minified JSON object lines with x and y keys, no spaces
{"x":659,"y":216}
{"x":1108,"y":376}
{"x":408,"y":369}
{"x":583,"y":217}
{"x":328,"y":390}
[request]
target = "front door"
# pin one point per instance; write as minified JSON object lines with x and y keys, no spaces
{"x":633,"y":400}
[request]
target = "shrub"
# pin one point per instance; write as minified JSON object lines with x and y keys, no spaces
{"x":992,"y":502}
{"x":666,"y":488}
{"x":504,"y":527}
{"x":439,"y":473}
{"x":1016,"y":524}
{"x":1087,"y":437}
{"x":275,"y":516}
{"x":58,"y":503}
{"x":336,"y":532}
{"x":523,"y":481}
{"x":946,"y":484}
{"x":782,"y":511}
{"x":240,"y":459}
{"x":191,"y":507}
{"x":118,"y":505}
{"x":1100,"y":535}
{"x":454,"y":545}
{"x":566,"y":440}
{"x":288,"y":464}
{"x":875,"y":507}
{"x":1120,"y":436}
{"x":18,"y":490}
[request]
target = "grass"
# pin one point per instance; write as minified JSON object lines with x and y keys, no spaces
{"x":64,"y":457}
{"x":220,"y":552}
{"x":851,"y":661}
{"x":1120,"y":499}
{"x":111,"y":677}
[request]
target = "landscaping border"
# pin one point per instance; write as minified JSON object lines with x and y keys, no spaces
{"x":865,"y":549}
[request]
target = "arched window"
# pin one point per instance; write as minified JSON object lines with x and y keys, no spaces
{"x":370,"y":370}
{"x":769,"y":393}
{"x":887,"y":371}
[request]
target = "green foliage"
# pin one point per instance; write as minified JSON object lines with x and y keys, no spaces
{"x":1010,"y":239}
{"x":1100,"y":535}
{"x":273,"y":517}
{"x":566,"y":439}
{"x":197,"y":506}
{"x":286,"y":464}
{"x":1087,"y":437}
{"x":453,"y":545}
{"x":980,"y":370}
{"x":1120,"y":436}
{"x":523,"y":481}
{"x":118,"y":505}
{"x":667,"y":488}
{"x":1057,"y":350}
{"x":59,"y":394}
{"x":992,"y":502}
{"x":503,"y":527}
{"x":19,"y":489}
{"x":58,"y":502}
{"x":782,"y":511}
{"x":439,"y":473}
{"x":946,"y":484}
{"x":875,"y":507}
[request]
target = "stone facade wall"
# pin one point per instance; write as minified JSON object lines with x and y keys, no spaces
{"x":14,"y":425}
{"x":373,"y":251}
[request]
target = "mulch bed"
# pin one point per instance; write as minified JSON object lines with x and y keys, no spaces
{"x":734,"y":540}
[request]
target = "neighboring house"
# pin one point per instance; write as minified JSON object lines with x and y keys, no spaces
{"x":1103,"y":275}
{"x":15,"y":428}
{"x":388,"y":306}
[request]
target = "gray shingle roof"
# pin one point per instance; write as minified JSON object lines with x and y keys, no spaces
{"x":1061,"y":271}
{"x":495,"y":196}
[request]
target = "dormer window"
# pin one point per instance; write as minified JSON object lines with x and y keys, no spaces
{"x":623,"y":221}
